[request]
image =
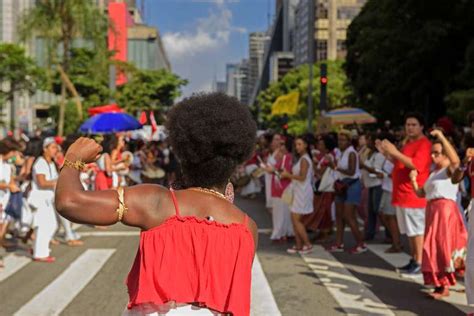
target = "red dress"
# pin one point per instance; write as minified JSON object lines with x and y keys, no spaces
{"x":192,"y":260}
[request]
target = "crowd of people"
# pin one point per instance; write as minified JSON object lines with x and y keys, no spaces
{"x":29,"y":170}
{"x":384,"y":183}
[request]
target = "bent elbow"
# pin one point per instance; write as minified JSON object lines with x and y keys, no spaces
{"x":64,"y":204}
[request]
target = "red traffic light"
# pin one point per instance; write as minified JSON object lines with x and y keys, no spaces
{"x":324,"y":80}
{"x":285,"y":126}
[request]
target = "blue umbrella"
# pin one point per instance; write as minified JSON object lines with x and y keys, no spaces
{"x":110,"y":123}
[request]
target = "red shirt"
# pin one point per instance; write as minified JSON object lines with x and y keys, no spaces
{"x":279,"y":185}
{"x":470,"y":170}
{"x":403,"y":194}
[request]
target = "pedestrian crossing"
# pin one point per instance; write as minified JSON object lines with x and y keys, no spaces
{"x":338,"y":275}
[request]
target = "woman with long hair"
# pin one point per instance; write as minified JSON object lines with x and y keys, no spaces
{"x":321,"y":218}
{"x":348,"y":198}
{"x":196,"y":247}
{"x":301,"y":178}
{"x":103,"y":178}
{"x":444,"y":246}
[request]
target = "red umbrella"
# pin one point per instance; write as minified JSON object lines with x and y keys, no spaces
{"x":108,"y":108}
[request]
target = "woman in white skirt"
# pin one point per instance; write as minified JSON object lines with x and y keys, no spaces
{"x":301,"y":182}
{"x":281,"y":218}
{"x":269,"y":167}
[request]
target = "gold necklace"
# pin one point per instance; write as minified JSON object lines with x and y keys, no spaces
{"x":208,"y":191}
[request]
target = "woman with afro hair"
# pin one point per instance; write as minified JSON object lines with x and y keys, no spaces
{"x":196,"y":247}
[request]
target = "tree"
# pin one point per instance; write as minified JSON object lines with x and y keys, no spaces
{"x":298,"y":80}
{"x":59,"y":22}
{"x":19,"y":74}
{"x":149,"y":90}
{"x":406,"y":55}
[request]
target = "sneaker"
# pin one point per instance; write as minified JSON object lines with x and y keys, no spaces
{"x":48,"y":259}
{"x":407,"y":266}
{"x":305,"y":250}
{"x":359,"y":249}
{"x":413,"y":273}
{"x":336,"y":248}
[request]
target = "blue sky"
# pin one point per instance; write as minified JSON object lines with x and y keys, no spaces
{"x":201,"y":36}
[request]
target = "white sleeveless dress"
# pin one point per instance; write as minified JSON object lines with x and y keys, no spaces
{"x":303,"y":190}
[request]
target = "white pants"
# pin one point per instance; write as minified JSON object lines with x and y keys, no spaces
{"x":69,"y":234}
{"x":281,"y":219}
{"x":178,"y":311}
{"x":46,"y":225}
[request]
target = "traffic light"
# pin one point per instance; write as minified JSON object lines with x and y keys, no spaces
{"x":323,"y":78}
{"x":284,"y":123}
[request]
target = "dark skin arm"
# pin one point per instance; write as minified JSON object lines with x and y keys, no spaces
{"x":141,"y":200}
{"x":352,"y":166}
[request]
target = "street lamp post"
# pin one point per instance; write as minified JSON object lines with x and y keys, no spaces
{"x":310,"y":64}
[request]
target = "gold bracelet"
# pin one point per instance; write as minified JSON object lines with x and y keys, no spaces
{"x":78,"y":165}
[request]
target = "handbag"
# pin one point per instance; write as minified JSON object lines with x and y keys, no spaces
{"x":327,"y":181}
{"x":288,"y":195}
{"x":14,"y":205}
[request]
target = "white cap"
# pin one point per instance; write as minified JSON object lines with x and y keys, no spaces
{"x":48,"y":141}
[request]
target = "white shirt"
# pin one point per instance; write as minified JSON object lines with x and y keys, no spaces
{"x":440,"y":186}
{"x":387,"y":168}
{"x":375,"y":161}
{"x":41,"y":166}
{"x":5,"y":176}
{"x":343,"y":163}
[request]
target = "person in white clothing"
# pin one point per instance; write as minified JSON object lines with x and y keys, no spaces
{"x":8,"y":149}
{"x":348,"y":194}
{"x":386,"y":209}
{"x":302,"y":184}
{"x":41,"y":199}
{"x":269,"y":167}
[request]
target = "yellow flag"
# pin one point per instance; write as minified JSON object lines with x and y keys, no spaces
{"x":287,"y":103}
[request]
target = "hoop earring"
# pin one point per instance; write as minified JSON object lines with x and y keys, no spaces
{"x":229,"y":192}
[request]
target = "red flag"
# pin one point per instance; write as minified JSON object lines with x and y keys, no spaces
{"x":143,"y":119}
{"x":154,"y":126}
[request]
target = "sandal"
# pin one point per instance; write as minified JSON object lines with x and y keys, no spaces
{"x":306,"y":249}
{"x":336,"y":248}
{"x":75,"y":243}
{"x":293,"y":250}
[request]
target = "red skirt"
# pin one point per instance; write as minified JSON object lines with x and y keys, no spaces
{"x":321,"y":217}
{"x":102,"y":181}
{"x":444,"y":248}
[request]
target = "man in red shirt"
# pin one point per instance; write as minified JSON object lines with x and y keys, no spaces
{"x":414,"y":155}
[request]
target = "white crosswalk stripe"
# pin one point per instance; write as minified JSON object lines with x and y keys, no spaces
{"x":263,"y":303}
{"x":57,"y":295}
{"x":351,"y":294}
{"x":13,"y":263}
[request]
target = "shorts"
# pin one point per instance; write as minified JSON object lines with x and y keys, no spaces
{"x":386,"y":206}
{"x":411,"y":221}
{"x":353,"y":194}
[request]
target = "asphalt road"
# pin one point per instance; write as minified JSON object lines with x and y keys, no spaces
{"x":89,"y":280}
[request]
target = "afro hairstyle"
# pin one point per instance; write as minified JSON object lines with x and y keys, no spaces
{"x":211,"y":134}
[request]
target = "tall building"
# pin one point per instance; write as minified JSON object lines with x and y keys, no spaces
{"x":280,"y":36}
{"x":332,"y":18}
{"x":257,"y":43}
{"x":237,"y":80}
{"x":280,"y":64}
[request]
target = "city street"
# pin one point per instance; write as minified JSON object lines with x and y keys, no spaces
{"x":89,"y":280}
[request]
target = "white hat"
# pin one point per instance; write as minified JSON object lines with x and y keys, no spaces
{"x":48,"y":141}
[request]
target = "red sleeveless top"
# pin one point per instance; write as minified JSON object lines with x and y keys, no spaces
{"x":193,"y":260}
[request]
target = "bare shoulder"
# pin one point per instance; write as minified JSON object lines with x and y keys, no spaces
{"x":144,"y":202}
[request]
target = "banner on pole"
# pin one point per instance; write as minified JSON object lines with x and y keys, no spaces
{"x":286,"y":104}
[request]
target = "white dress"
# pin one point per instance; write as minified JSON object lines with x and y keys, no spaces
{"x":268,"y":182}
{"x":303,"y":190}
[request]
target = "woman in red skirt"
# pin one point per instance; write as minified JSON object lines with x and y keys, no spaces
{"x":444,"y":248}
{"x":103,"y":178}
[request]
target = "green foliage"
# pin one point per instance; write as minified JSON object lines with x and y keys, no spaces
{"x":298,"y":80}
{"x":149,"y":90}
{"x":90,"y":76}
{"x":19,"y":72}
{"x":71,"y":119}
{"x":407,"y":55}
